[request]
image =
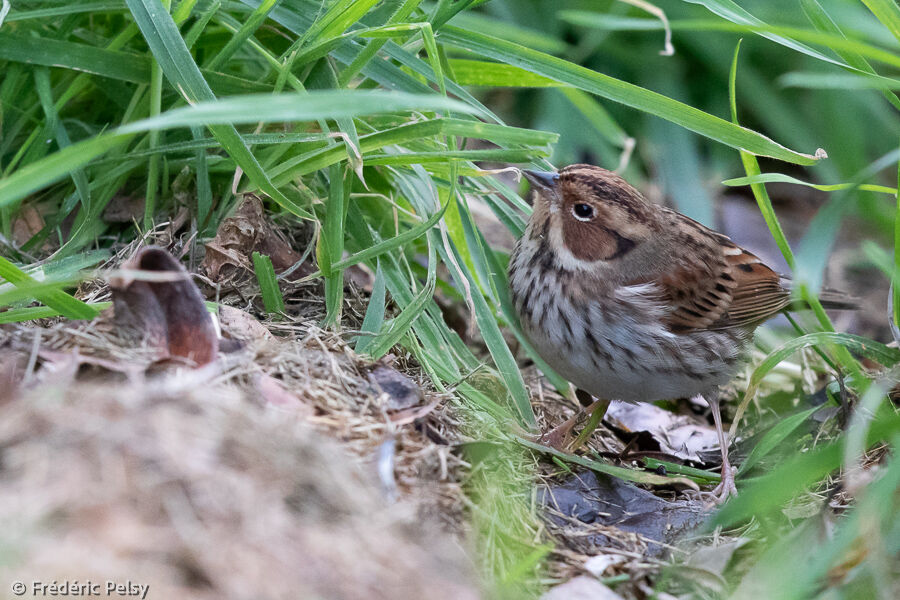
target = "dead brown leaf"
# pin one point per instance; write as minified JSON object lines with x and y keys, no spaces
{"x":247,"y":231}
{"x":241,"y":325}
{"x":28,"y":222}
{"x":164,"y":312}
{"x":124,"y":209}
{"x":402,"y":392}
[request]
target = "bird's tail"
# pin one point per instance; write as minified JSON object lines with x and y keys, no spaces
{"x":838,"y":300}
{"x":830,"y":298}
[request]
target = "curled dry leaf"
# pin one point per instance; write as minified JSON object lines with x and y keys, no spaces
{"x":155,"y":300}
{"x":241,"y":325}
{"x":124,"y":209}
{"x":247,"y":231}
{"x":582,"y":587}
{"x":677,"y":435}
{"x":402,"y":392}
{"x":28,"y":223}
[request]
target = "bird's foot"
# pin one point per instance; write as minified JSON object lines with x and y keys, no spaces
{"x":726,"y":487}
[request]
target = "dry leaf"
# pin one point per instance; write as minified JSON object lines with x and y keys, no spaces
{"x":582,"y":587}
{"x":27,"y":223}
{"x":247,"y":231}
{"x":677,"y":435}
{"x":124,"y":209}
{"x":166,"y":312}
{"x":402,"y":392}
{"x":241,"y":325}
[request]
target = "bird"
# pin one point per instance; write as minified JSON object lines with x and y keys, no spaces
{"x":629,"y":300}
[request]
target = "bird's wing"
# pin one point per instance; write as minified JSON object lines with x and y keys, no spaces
{"x":715,"y":284}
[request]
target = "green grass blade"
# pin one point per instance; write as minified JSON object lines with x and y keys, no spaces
{"x":374,"y":317}
{"x":775,"y":437}
{"x":793,"y":475}
{"x":268,"y":283}
{"x":50,"y":169}
{"x":822,"y":21}
{"x":399,"y":325}
{"x":42,"y":81}
{"x":887,"y":12}
{"x":629,"y":94}
{"x":377,"y":249}
{"x":492,"y":74}
{"x":252,"y":23}
{"x":782,"y":178}
{"x":58,"y":300}
{"x":310,"y":106}
{"x":169,"y":49}
{"x":734,"y":13}
{"x":30,"y":313}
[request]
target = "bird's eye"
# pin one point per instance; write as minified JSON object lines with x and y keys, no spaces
{"x":583,"y":212}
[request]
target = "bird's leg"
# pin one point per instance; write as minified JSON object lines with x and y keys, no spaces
{"x":558,"y":437}
{"x":726,"y":488}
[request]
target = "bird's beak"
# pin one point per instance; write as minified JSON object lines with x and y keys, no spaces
{"x":542,"y":179}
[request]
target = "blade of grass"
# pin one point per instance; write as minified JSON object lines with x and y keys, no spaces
{"x":774,"y":438}
{"x":371,"y":49}
{"x":253,"y":22}
{"x":268,"y":283}
{"x":42,"y":84}
{"x":374,"y":317}
{"x":870,"y":349}
{"x":57,"y":300}
{"x":629,"y":94}
{"x":782,"y":178}
{"x":618,"y":472}
{"x":822,"y":21}
{"x":399,"y":325}
{"x":751,"y":166}
{"x":284,"y":107}
{"x":887,"y":12}
{"x":156,"y":81}
{"x":30,"y":313}
{"x":171,"y":53}
{"x":330,"y":246}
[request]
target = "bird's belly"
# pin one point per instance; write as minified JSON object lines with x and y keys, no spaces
{"x":634,"y":361}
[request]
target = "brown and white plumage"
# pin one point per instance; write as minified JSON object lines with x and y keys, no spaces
{"x":633,"y":301}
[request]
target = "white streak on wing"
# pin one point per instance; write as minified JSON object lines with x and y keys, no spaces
{"x":733,"y":251}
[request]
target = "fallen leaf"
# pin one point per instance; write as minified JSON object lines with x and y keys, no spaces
{"x":155,"y":299}
{"x":27,"y":223}
{"x":241,"y":325}
{"x":402,"y":392}
{"x":677,"y":435}
{"x":715,"y":559}
{"x":582,"y":587}
{"x":609,"y":501}
{"x":124,"y":209}
{"x":247,"y":231}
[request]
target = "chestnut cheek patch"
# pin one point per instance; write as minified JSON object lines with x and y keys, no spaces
{"x":592,"y":242}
